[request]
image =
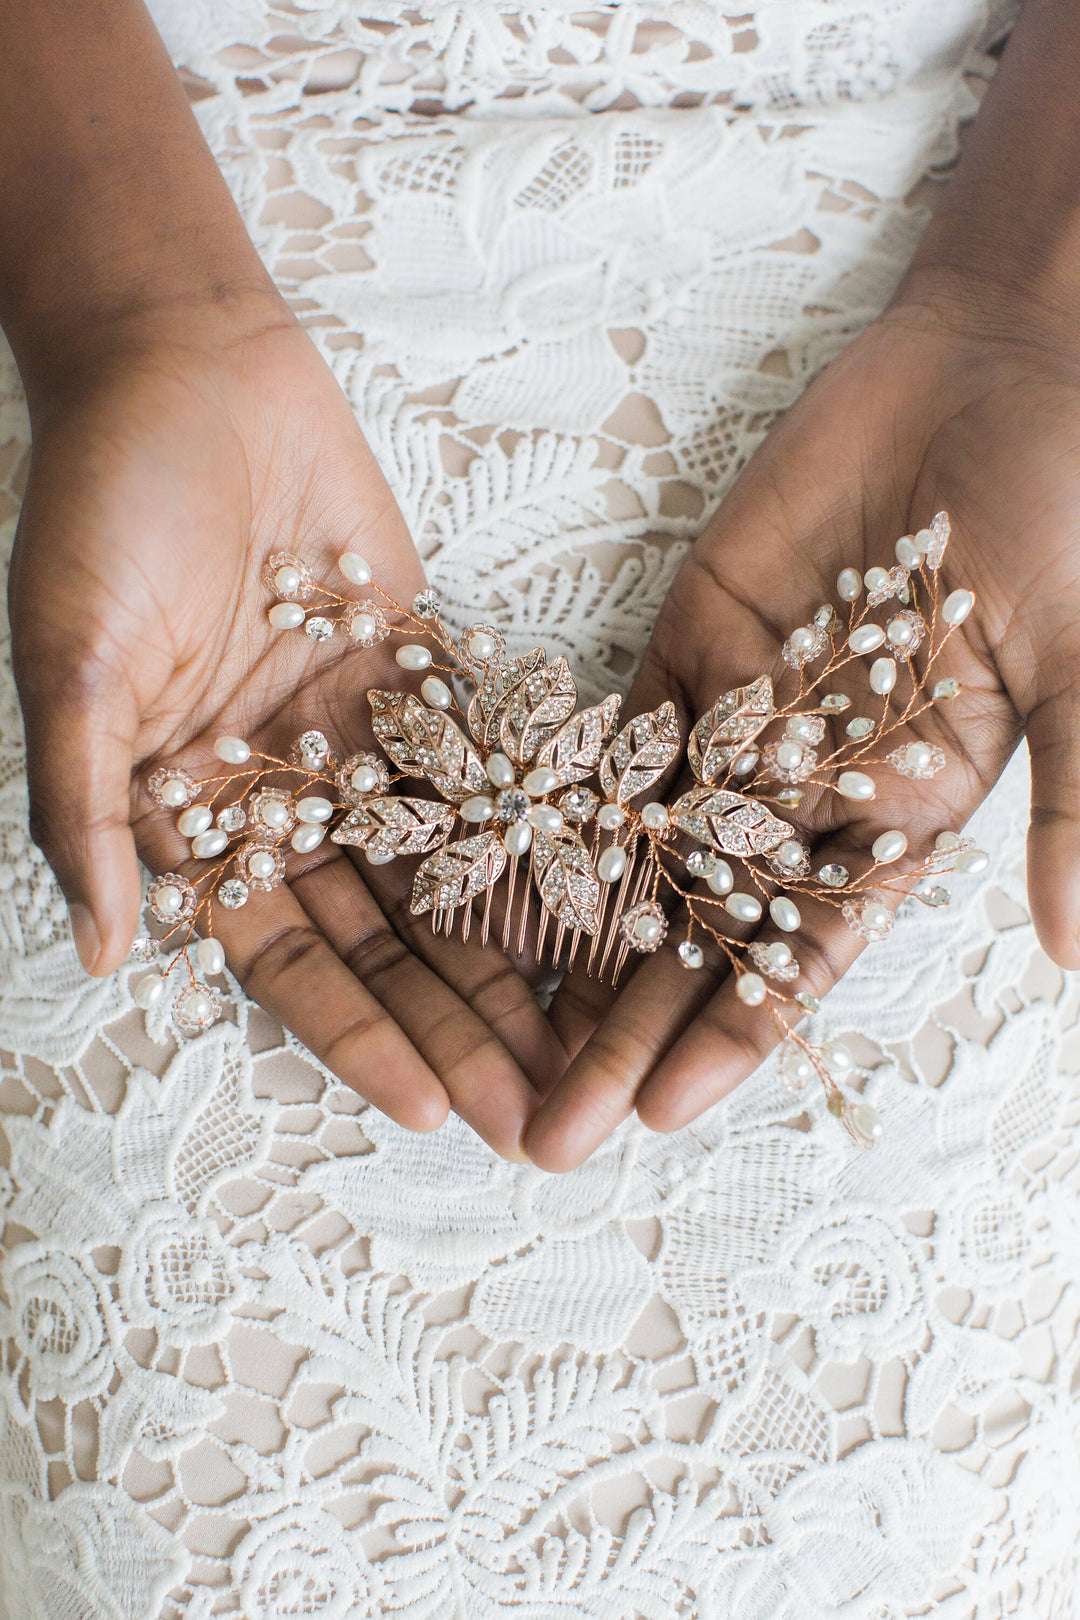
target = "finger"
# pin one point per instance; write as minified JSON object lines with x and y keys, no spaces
{"x":1053,"y":844}
{"x":80,"y":730}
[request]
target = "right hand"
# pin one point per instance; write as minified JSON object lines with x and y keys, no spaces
{"x":165,"y":469}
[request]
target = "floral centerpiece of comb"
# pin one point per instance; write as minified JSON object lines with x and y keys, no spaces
{"x":520,"y":807}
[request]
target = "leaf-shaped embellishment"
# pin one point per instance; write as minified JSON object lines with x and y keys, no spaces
{"x":522,"y":704}
{"x":729,"y":822}
{"x":565,"y":878}
{"x":455,"y":874}
{"x":422,"y":742}
{"x":734,"y":719}
{"x":393,"y":826}
{"x":574,"y":751}
{"x":640,"y":754}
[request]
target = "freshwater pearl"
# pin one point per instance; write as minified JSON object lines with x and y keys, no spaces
{"x":500,"y":771}
{"x":355,"y":568}
{"x":611,"y":816}
{"x":378,"y":857}
{"x":517,"y":837}
{"x":907,"y":554}
{"x":789,"y":755}
{"x":413,"y":656}
{"x":175,"y":791}
{"x":314,"y":809}
{"x":233,"y":750}
{"x":882,"y":676}
{"x":790,"y":853}
{"x":546,"y":818}
{"x":286,"y":615}
{"x":196,"y":1006}
{"x":654,"y":815}
{"x":867,"y":1122}
{"x":801,"y":727}
{"x":482,"y":646}
{"x":261,"y":864}
{"x":849,"y":584}
{"x":867,"y":638}
{"x":900,"y":633}
{"x":149,"y":990}
{"x":837,"y":1056}
{"x":307,"y":838}
{"x":785,"y":913}
{"x":796,"y":1067}
{"x":875,"y":915}
{"x":195,"y":821}
{"x":287,"y":580}
{"x":802,"y":639}
{"x":917,"y":756}
{"x":477,"y":808}
{"x":751,"y":989}
{"x":743,"y":907}
{"x":208,"y":844}
{"x":211,"y":956}
{"x":274,"y":813}
{"x":875,"y":578}
{"x":946,"y":840}
{"x":856,"y":785}
{"x":363,"y":627}
{"x":721,"y":879}
{"x":972,"y":860}
{"x":540,"y":781}
{"x":744,"y":763}
{"x":779,"y":954}
{"x":612,"y":864}
{"x":889,"y":846}
{"x":956,"y":607}
{"x":923,"y":541}
{"x":647,"y":929}
{"x":365,"y":779}
{"x":435,"y":693}
{"x":168,"y":898}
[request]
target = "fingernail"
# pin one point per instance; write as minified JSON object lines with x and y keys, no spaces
{"x":85,"y":934}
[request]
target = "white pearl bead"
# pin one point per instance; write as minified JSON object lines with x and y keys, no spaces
{"x":789,"y":755}
{"x":779,"y":954}
{"x":875,"y":915}
{"x":956,"y":607}
{"x":363,"y":626}
{"x":856,"y":785}
{"x":546,"y":817}
{"x":354,"y":567}
{"x":946,"y":840}
{"x":800,"y":727}
{"x":208,"y":844}
{"x":517,"y":837}
{"x":195,"y":821}
{"x":889,"y":846}
{"x":196,"y":1006}
{"x":802,"y":639}
{"x":413,"y":656}
{"x":721,"y":880}
{"x":917,"y":756}
{"x":233,"y":750}
{"x":274,"y":813}
{"x":287,"y":580}
{"x":743,"y":907}
{"x":611,"y":816}
{"x":261,"y":864}
{"x":785,"y":913}
{"x":882,"y":676}
{"x":365,"y":779}
{"x":796,"y":1066}
{"x":790,"y":853}
{"x":654,"y":815}
{"x":482,"y":646}
{"x":377,"y":857}
{"x":867,"y":1122}
{"x":211,"y":956}
{"x":435,"y":693}
{"x":907,"y":555}
{"x":751,"y":989}
{"x":875,"y":578}
{"x":866,"y":638}
{"x":899,"y":633}
{"x":149,"y":991}
{"x":168,"y":898}
{"x":612,"y":864}
{"x":972,"y":860}
{"x":314,"y":809}
{"x":923,"y":541}
{"x":540,"y":781}
{"x":175,"y":791}
{"x":500,"y":771}
{"x":477,"y":808}
{"x":837,"y":1056}
{"x":307,"y":838}
{"x":744,"y":763}
{"x":647,"y":929}
{"x":286,"y":615}
{"x":849,"y":584}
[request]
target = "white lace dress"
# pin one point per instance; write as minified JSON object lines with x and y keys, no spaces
{"x":264,"y":1354}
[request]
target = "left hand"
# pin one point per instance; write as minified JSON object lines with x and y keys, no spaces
{"x":944,"y":403}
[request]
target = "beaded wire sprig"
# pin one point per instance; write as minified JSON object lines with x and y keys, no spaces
{"x":540,"y":803}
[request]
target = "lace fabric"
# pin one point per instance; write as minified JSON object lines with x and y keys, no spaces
{"x":267,"y":1355}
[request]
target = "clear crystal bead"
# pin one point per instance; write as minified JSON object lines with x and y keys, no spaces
{"x":426,"y":604}
{"x":859,"y":728}
{"x":512,"y":804}
{"x":835,"y":703}
{"x":790,"y":795}
{"x":143,"y":949}
{"x":318,"y":628}
{"x":700,"y":862}
{"x":691,"y":955}
{"x":233,"y":893}
{"x":945,"y":689}
{"x":834,"y":875}
{"x":232,"y":819}
{"x":310,"y":750}
{"x":807,"y":1002}
{"x":937,"y":896}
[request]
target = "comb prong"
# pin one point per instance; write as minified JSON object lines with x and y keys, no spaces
{"x":485,"y":931}
{"x":511,"y":884}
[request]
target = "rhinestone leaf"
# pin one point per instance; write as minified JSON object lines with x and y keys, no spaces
{"x":564,"y":876}
{"x":455,"y":874}
{"x":422,"y":742}
{"x":733,"y":720}
{"x":729,"y":822}
{"x":521,"y":705}
{"x":393,"y":826}
{"x":574,"y":751}
{"x":640,"y":754}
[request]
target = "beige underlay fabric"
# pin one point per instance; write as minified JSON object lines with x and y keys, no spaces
{"x":265,"y":1354}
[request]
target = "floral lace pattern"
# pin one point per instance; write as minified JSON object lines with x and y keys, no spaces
{"x":266,"y":1355}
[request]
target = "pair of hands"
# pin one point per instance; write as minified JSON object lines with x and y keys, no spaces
{"x":176,"y":456}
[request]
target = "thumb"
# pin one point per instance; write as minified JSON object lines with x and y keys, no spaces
{"x":1053,"y":845}
{"x":80,"y":730}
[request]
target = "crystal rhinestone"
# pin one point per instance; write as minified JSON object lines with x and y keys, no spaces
{"x":579,"y":804}
{"x":426,"y":604}
{"x":859,"y":728}
{"x":691,"y":955}
{"x":807,"y":1002}
{"x":143,"y":948}
{"x":834,"y":875}
{"x":825,"y":618}
{"x":232,"y":818}
{"x":512,"y":804}
{"x":701,"y":862}
{"x":318,"y":628}
{"x":937,"y":896}
{"x":233,"y":893}
{"x":943,"y":690}
{"x":835,"y":703}
{"x":310,"y":751}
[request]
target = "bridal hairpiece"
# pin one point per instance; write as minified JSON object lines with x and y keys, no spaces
{"x":536,"y":809}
